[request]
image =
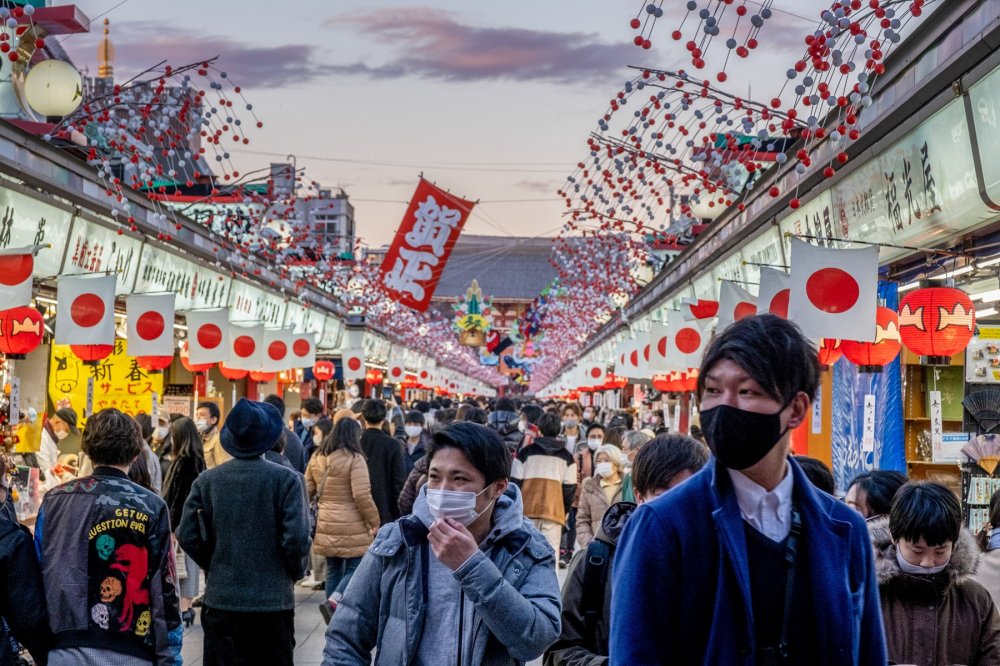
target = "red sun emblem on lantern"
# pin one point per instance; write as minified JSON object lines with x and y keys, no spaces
{"x":937,"y":323}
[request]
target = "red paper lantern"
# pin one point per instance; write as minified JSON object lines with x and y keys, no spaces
{"x":92,"y":354}
{"x":262,"y":377}
{"x":232,"y":374}
{"x":154,"y":363}
{"x":829,"y":352}
{"x":689,"y":381}
{"x":193,"y":367}
{"x":937,"y":323}
{"x":662,"y":383}
{"x":21,"y":331}
{"x":323,"y":371}
{"x":873,"y":356}
{"x":374,"y":376}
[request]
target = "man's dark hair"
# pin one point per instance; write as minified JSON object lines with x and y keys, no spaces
{"x":445,"y":416}
{"x":772,"y":351}
{"x":358,"y":405}
{"x":145,"y":422}
{"x":549,"y":424}
{"x":595,"y":426}
{"x":623,"y":420}
{"x":476,"y":415}
{"x":484,"y":448}
{"x":573,"y":407}
{"x":312,"y":405}
{"x":422,"y":406}
{"x":277,"y":402}
{"x":880,"y":487}
{"x":664,"y":457}
{"x":435,"y":404}
{"x":112,"y":438}
{"x":414,"y":417}
{"x":374,"y":411}
{"x":817,"y":472}
{"x":925,"y":510}
{"x":213,"y":409}
{"x":447,"y":403}
{"x":532,"y":413}
{"x":505,"y":405}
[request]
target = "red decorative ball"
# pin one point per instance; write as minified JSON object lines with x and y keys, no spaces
{"x":774,"y":191}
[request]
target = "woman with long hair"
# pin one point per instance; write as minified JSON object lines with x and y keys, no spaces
{"x":188,"y":462}
{"x":347,"y":518}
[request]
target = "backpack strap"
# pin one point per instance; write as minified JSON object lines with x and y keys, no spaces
{"x":595,"y":578}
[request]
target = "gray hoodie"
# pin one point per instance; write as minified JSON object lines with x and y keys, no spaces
{"x":505,"y":597}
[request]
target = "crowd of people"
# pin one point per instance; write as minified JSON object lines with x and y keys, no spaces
{"x":437,"y":533}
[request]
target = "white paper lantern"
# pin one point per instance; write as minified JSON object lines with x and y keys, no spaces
{"x":54,"y":88}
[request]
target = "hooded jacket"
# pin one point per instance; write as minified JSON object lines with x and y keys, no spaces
{"x":510,"y":582}
{"x":546,"y":473}
{"x":682,"y":579}
{"x":347,"y":512}
{"x":576,"y":647}
{"x":107,"y":562}
{"x":936,"y":620}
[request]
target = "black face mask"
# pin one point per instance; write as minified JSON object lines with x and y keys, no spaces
{"x":738,"y":438}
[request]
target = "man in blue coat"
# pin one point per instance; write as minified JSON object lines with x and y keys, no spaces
{"x":746,"y":563}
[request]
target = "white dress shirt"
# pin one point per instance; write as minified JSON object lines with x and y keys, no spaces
{"x":770,"y":513}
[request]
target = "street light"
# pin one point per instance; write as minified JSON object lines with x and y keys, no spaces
{"x":54,"y":89}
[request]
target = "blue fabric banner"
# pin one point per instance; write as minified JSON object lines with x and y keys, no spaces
{"x":849,"y":390}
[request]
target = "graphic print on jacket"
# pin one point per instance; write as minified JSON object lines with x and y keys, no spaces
{"x":120,"y":575}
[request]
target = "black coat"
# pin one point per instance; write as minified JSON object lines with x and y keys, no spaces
{"x":295,"y":451}
{"x":386,"y":470}
{"x":22,"y":597}
{"x":177,"y":484}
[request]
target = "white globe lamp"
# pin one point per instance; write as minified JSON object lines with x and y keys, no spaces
{"x":54,"y":89}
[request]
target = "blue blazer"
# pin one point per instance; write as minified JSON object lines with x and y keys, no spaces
{"x":682,"y":585}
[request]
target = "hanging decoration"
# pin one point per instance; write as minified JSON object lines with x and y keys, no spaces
{"x":21,"y":331}
{"x":873,"y":356}
{"x":473,"y":319}
{"x":323,"y":371}
{"x":829,"y":352}
{"x":154,"y":363}
{"x":936,"y":323}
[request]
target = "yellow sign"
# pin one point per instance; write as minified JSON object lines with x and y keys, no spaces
{"x":989,"y":332}
{"x":118,"y":382}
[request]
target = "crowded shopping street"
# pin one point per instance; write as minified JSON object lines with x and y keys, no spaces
{"x":573,"y":333}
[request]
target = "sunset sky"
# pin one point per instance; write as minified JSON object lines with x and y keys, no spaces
{"x":492,"y":100}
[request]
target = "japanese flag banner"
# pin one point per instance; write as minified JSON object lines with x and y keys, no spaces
{"x":641,"y":358}
{"x":735,"y":303}
{"x":354,"y":363}
{"x":303,"y":350}
{"x":395,"y":373}
{"x":591,"y":374}
{"x":659,"y":339}
{"x":85,"y":314}
{"x":208,"y":336}
{"x":150,"y":324}
{"x":699,"y":309}
{"x":16,"y":268}
{"x":276,"y":355}
{"x":623,"y":358}
{"x":834,"y":292}
{"x":413,"y":265}
{"x":687,"y":342}
{"x":775,"y":288}
{"x":246,"y":345}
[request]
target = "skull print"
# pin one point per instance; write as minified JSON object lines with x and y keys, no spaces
{"x":142,"y":624}
{"x":100,"y":615}
{"x":111,"y":587}
{"x":105,"y":546}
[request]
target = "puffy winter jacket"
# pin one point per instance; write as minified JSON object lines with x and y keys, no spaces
{"x":108,"y":566}
{"x":347,"y":513}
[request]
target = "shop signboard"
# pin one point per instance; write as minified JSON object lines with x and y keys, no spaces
{"x":814,"y":220}
{"x":94,"y":248}
{"x":118,"y":381}
{"x":985,"y":99}
{"x":26,"y":221}
{"x":330,"y":339}
{"x":250,"y":303}
{"x":303,"y":319}
{"x":731,"y":268}
{"x":196,"y":286}
{"x":764,"y":250}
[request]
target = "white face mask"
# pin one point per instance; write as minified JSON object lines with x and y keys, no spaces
{"x":202,"y":425}
{"x":62,"y":434}
{"x":569,"y":423}
{"x":317,"y":439}
{"x":308,"y":422}
{"x":916,"y":569}
{"x":458,"y":505}
{"x":588,"y":416}
{"x":160,"y":433}
{"x":604,"y":469}
{"x":520,"y":426}
{"x":413,"y":430}
{"x":594,"y":443}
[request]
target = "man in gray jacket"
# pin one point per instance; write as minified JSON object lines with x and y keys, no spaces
{"x":245,"y":524}
{"x":468,"y":553}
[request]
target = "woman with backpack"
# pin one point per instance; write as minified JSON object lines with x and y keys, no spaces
{"x":347,"y":518}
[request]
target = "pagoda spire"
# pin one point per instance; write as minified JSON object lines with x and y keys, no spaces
{"x":106,"y":55}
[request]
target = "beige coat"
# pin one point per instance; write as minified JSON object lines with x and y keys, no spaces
{"x":215,"y":455}
{"x":347,"y":513}
{"x":988,"y":573}
{"x":593,"y":505}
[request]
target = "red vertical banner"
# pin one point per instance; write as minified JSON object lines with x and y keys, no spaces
{"x":413,"y":265}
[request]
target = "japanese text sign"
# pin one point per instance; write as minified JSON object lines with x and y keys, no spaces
{"x":418,"y":254}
